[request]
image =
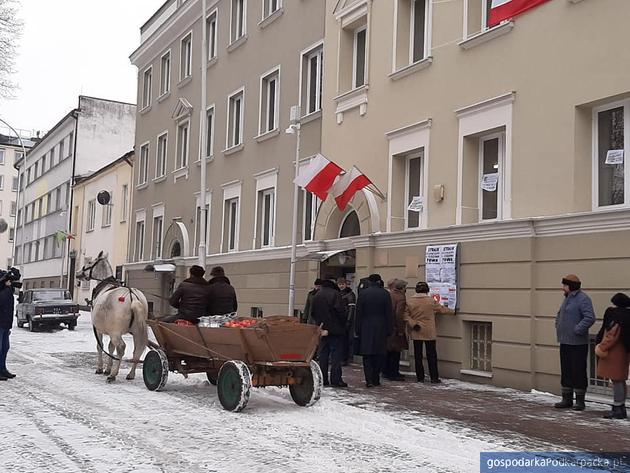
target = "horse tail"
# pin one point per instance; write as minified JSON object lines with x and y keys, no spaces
{"x":139,"y":314}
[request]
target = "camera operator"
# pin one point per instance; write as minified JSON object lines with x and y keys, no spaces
{"x":8,"y":283}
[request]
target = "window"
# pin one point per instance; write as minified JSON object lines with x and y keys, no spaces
{"x":67,"y":195}
{"x":232,"y":223}
{"x":266,"y":217}
{"x":2,"y":153}
{"x":269,"y":101}
{"x":38,"y":209}
{"x":143,"y":164}
{"x":238,"y":27}
{"x":161,"y":156}
{"x":312,"y":68}
{"x":158,"y":226}
{"x":186,"y":57}
{"x":478,"y":19}
{"x":490,"y":179}
{"x":270,"y":7}
{"x":210,"y":132}
{"x":235,"y":120}
{"x":311,"y":204}
{"x":13,"y":208}
{"x":52,"y":162}
{"x":14,"y":184}
{"x":147,"y":79}
{"x":106,"y":220}
{"x":91,"y":215}
{"x":52,"y":153}
{"x":413,"y":188}
{"x":1,"y":182}
{"x":359,"y":62}
{"x":139,"y":244}
{"x":183,"y":142}
{"x":165,"y":73}
{"x":610,"y":130}
{"x":350,"y":225}
{"x":211,"y":35}
{"x":412,"y":32}
{"x":58,"y":198}
{"x":70,"y":145}
{"x":125,"y":203}
{"x":198,"y":227}
{"x":36,"y":170}
{"x":0,"y":208}
{"x":481,"y":346}
{"x":11,"y":234}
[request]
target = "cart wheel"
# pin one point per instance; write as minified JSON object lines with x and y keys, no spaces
{"x":155,"y":370}
{"x":309,"y":392}
{"x":234,"y":386}
{"x":212,"y":377}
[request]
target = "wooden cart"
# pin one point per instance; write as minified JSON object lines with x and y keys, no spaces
{"x":278,"y":351}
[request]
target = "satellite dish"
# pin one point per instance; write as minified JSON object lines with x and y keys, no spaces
{"x":3,"y":225}
{"x":103,"y":198}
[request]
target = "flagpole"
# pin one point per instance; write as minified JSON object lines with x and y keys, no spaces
{"x":376,"y":190}
{"x":294,"y":128}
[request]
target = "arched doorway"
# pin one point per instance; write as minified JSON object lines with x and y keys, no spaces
{"x":342,"y":264}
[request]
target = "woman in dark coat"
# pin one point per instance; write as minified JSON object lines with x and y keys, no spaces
{"x":374,"y":323}
{"x":6,"y":322}
{"x":397,"y":341}
{"x":613,"y":352}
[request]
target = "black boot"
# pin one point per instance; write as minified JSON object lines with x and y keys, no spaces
{"x":579,"y":402}
{"x":567,"y":399}
{"x":617,"y":412}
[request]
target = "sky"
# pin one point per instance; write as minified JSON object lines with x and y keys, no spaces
{"x":74,"y":47}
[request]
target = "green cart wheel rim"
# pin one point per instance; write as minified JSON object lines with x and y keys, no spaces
{"x":234,"y":385}
{"x":155,"y":370}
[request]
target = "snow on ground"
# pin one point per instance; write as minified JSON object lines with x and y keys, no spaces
{"x":59,"y":416}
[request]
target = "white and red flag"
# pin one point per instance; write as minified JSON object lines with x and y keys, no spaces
{"x":319,"y":176}
{"x":348,"y":185}
{"x":505,"y":9}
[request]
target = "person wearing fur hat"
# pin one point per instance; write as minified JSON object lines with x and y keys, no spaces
{"x":573,"y":320}
{"x":613,"y":352}
{"x":397,"y":341}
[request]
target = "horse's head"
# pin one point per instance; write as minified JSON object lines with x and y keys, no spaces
{"x":98,"y":269}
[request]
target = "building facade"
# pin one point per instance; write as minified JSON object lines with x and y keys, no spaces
{"x":83,"y":141}
{"x":100,"y":226}
{"x":263,"y":57}
{"x":11,"y":151}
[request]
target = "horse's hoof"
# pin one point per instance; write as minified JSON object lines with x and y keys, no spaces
{"x":130,"y":377}
{"x":99,"y":371}
{"x":106,"y":372}
{"x":111,"y":379}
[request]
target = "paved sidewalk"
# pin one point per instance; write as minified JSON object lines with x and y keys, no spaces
{"x":488,"y":409}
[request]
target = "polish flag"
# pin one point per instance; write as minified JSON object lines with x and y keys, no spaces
{"x":348,"y":185}
{"x":318,"y":176}
{"x":506,"y":9}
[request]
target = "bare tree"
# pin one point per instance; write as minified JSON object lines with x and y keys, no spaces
{"x":10,"y":31}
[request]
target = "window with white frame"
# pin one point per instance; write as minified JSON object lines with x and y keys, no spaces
{"x":1,"y":182}
{"x":210,"y":132}
{"x":266,"y":217}
{"x":61,"y":150}
{"x":11,"y":234}
{"x":311,"y":204}
{"x":411,"y":32}
{"x":185,"y":65}
{"x":143,"y":164}
{"x":91,"y":215}
{"x":139,"y":241}
{"x":238,"y":27}
{"x":158,"y":230}
{"x":270,"y":7}
{"x":312,"y":75}
{"x":414,"y":189}
{"x":480,"y":334}
{"x":125,"y":203}
{"x":106,"y":219}
{"x":269,"y":101}
{"x":0,"y":208}
{"x":13,"y":208}
{"x":478,"y":19}
{"x":161,"y":155}
{"x":58,"y":198}
{"x":235,"y":119}
{"x":183,"y":144}
{"x":359,"y":57}
{"x":165,"y":73}
{"x":2,"y":154}
{"x":198,"y":227}
{"x":610,"y":174}
{"x":491,"y":153}
{"x":212,"y":35}
{"x":147,"y":80}
{"x":231,"y":218}
{"x":14,"y":184}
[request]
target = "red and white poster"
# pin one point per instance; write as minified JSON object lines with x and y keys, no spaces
{"x":505,"y":9}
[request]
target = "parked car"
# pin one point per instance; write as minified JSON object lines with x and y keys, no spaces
{"x":46,"y":307}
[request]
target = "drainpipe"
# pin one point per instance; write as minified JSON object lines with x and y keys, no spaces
{"x":203,"y":224}
{"x":66,"y":253}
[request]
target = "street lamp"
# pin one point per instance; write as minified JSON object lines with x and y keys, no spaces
{"x":294,"y":129}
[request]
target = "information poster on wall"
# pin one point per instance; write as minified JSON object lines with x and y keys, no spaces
{"x":441,"y":273}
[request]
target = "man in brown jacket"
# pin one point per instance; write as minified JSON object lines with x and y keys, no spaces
{"x":397,"y":341}
{"x":420,"y":317}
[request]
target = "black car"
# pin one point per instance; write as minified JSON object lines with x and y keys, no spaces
{"x":46,"y":307}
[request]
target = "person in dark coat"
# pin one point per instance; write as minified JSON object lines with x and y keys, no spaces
{"x":349,"y":302}
{"x":573,"y":320}
{"x":6,"y":322}
{"x":397,"y":341}
{"x":306,"y":315}
{"x":221,"y":294}
{"x":190,"y":298}
{"x":374,"y":323}
{"x":327,"y":310}
{"x":613,"y":352}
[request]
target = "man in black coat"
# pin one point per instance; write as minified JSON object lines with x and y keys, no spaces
{"x":374,"y":323}
{"x":349,"y":301}
{"x":6,"y":322}
{"x":221,"y":294}
{"x":190,"y":298}
{"x":328,"y":310}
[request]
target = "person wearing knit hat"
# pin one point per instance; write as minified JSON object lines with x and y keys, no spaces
{"x":613,"y":352}
{"x":573,"y":321}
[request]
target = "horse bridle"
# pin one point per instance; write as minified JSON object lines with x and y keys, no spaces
{"x":91,"y":269}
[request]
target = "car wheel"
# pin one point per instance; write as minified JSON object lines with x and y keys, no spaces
{"x":31,"y":325}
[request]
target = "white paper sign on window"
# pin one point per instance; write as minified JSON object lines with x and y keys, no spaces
{"x":489,"y":182}
{"x":441,"y":273}
{"x":614,"y":156}
{"x":416,"y":205}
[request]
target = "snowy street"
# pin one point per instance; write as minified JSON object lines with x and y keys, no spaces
{"x":59,"y":416}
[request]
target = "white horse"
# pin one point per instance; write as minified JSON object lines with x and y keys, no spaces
{"x":116,"y":310}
